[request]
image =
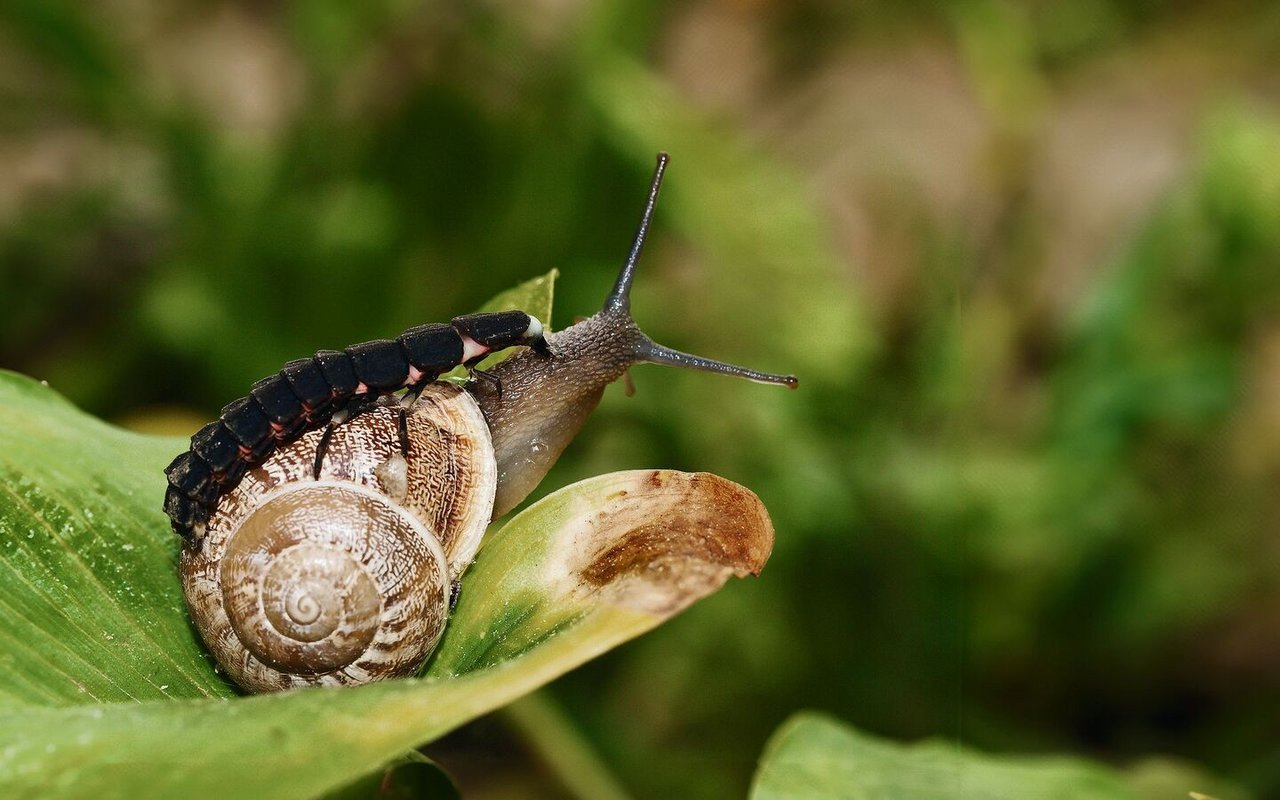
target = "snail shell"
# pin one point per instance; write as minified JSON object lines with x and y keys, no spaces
{"x":345,"y":578}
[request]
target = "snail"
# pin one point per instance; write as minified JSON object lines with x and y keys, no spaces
{"x":325,"y":531}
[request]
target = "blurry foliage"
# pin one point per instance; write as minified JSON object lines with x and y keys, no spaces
{"x":1026,"y":494}
{"x":814,"y":756}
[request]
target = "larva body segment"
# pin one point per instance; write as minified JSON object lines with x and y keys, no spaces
{"x":281,"y":405}
{"x":307,"y":381}
{"x":337,"y":370}
{"x":215,"y":445}
{"x":306,"y":394}
{"x":381,"y":365}
{"x":429,"y":346}
{"x":247,"y":422}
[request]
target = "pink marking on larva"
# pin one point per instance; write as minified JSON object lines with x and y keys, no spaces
{"x":415,"y":375}
{"x":472,"y":349}
{"x":245,"y":452}
{"x":276,"y":427}
{"x":361,"y":388}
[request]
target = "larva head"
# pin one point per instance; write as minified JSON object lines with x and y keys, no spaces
{"x":547,"y":393}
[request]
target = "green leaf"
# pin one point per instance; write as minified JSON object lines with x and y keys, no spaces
{"x":90,"y":608}
{"x":106,"y":691}
{"x":574,"y":575}
{"x":549,"y":576}
{"x":815,"y":756}
{"x":534,"y":297}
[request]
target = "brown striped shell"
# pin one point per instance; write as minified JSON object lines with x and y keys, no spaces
{"x":346,"y":578}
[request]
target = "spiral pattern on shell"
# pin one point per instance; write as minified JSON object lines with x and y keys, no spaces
{"x":326,"y":576}
{"x":346,"y":578}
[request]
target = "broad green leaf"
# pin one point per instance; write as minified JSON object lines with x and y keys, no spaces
{"x":90,"y":607}
{"x":107,"y":692}
{"x":611,"y":554}
{"x":574,"y":575}
{"x":534,"y":297}
{"x":814,"y":756}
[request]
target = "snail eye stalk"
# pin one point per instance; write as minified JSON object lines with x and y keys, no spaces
{"x":619,"y":299}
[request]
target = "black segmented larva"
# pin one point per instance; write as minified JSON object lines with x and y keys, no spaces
{"x":551,"y":391}
{"x":311,"y":392}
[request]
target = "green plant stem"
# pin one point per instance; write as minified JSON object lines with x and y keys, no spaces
{"x":554,"y":740}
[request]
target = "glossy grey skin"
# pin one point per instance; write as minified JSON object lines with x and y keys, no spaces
{"x":545,"y":399}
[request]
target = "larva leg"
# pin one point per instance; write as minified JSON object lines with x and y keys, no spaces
{"x":321,"y":449}
{"x":404,"y":432}
{"x":359,"y":404}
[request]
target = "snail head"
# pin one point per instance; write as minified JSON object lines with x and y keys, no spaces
{"x":539,"y":399}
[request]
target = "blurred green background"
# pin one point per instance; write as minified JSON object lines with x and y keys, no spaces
{"x":1025,"y":259}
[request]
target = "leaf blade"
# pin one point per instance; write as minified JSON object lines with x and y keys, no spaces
{"x":86,"y":560}
{"x":812,"y":755}
{"x":301,"y":743}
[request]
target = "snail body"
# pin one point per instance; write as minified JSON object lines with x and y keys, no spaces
{"x":323,"y":548}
